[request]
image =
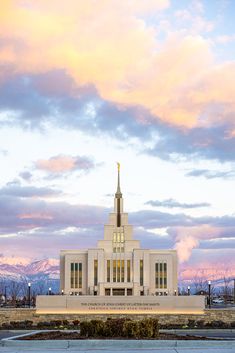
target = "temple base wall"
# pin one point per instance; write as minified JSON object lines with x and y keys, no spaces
{"x":209,"y":315}
{"x":63,"y":304}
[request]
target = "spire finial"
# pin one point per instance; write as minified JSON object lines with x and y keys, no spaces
{"x":118,"y":193}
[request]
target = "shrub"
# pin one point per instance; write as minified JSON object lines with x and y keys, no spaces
{"x":93,"y":328}
{"x":155,"y":328}
{"x":200,"y":323}
{"x":191,"y":323}
{"x":218,"y":324}
{"x":45,"y":324}
{"x":114,"y":327}
{"x":147,"y":328}
{"x":7,"y":326}
{"x":131,"y":329}
{"x":76,"y":322}
{"x":57,"y":323}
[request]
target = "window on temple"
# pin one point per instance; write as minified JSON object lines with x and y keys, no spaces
{"x":108,"y":270}
{"x":72,"y":275}
{"x":161,"y":275}
{"x":76,"y":275}
{"x":165,"y":275}
{"x":141,"y":272}
{"x":128,"y":270}
{"x":118,"y":242}
{"x":80,"y":275}
{"x":114,"y":271}
{"x":95,"y":272}
{"x":156,"y":275}
{"x":122,"y":270}
{"x":118,"y":270}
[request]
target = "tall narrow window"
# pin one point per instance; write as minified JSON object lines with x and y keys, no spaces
{"x":141,"y":272}
{"x":156,"y":275}
{"x":72,"y":275}
{"x":161,"y":275}
{"x":165,"y":275}
{"x":118,"y":270}
{"x":128,"y":270}
{"x":114,"y":271}
{"x":76,"y":275}
{"x":80,"y":275}
{"x":95,"y":272}
{"x":122,"y":270}
{"x":108,"y":270}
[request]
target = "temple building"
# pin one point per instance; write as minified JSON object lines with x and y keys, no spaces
{"x":118,"y":266}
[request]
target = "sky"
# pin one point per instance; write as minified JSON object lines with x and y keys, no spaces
{"x":150,"y":84}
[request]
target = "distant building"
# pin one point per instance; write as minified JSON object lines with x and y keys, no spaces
{"x":118,"y":266}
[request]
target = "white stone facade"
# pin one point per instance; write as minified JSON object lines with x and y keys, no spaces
{"x":118,"y":266}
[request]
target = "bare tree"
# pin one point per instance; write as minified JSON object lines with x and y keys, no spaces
{"x":14,"y":289}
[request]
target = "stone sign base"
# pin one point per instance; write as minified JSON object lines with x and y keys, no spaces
{"x":65,"y":304}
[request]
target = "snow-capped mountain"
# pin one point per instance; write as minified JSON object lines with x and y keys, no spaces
{"x":10,"y":268}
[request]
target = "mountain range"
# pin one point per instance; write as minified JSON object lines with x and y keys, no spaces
{"x":44,"y":273}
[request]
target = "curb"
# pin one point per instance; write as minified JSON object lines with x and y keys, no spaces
{"x":114,"y":344}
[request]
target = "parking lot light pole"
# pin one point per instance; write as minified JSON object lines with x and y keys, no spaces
{"x":209,"y":293}
{"x":29,"y":296}
{"x":188,"y":290}
{"x":50,"y":291}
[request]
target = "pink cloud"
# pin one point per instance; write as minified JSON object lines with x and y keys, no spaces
{"x":63,"y":164}
{"x":188,"y":238}
{"x":35,"y":216}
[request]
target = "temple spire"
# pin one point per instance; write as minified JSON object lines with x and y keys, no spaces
{"x":118,"y":194}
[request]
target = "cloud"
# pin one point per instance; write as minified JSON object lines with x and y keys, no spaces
{"x":171,"y":203}
{"x":175,"y":79}
{"x":29,"y":217}
{"x":63,"y":164}
{"x":37,"y":106}
{"x":208,"y":143}
{"x":16,"y":190}
{"x":23,"y":210}
{"x":214,"y":265}
{"x":188,"y":238}
{"x":4,"y":152}
{"x":26,"y":175}
{"x":211,"y":174}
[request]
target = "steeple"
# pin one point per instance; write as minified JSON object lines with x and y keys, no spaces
{"x":118,"y":200}
{"x":118,"y":194}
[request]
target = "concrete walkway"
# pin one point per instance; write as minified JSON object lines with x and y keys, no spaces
{"x":9,"y":345}
{"x":116,"y":346}
{"x":156,"y":350}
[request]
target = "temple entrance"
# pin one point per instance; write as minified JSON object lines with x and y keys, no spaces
{"x":118,"y":291}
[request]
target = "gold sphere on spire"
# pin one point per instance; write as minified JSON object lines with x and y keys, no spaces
{"x":118,"y":165}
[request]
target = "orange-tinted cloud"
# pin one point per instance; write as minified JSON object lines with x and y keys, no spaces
{"x":63,"y":164}
{"x":35,"y":216}
{"x":113,"y":48}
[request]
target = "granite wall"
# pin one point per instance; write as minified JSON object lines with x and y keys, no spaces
{"x":225,"y":315}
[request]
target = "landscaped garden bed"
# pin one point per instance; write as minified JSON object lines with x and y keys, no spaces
{"x":147,"y":329}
